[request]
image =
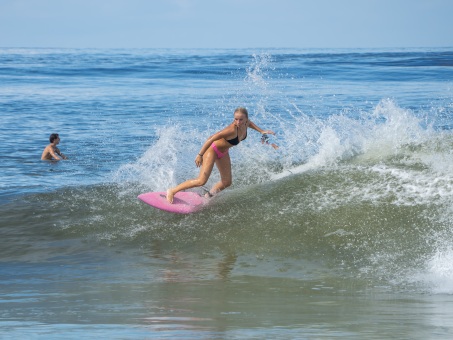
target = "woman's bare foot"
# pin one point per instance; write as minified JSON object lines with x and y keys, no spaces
{"x":170,"y":196}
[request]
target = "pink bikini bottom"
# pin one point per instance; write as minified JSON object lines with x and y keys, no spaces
{"x":217,"y":151}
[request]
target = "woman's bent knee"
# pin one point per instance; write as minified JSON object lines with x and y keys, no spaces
{"x":200,"y":181}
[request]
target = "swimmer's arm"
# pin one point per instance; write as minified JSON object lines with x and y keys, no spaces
{"x":57,"y":150}
{"x":63,"y":156}
{"x":54,"y":155}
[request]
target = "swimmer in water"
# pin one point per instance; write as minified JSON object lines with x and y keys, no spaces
{"x":51,"y":151}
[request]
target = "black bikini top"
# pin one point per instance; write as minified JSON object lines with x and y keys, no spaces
{"x":235,"y":140}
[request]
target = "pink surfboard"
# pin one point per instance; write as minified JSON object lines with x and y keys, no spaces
{"x":184,"y":202}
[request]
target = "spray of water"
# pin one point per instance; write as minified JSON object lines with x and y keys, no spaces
{"x":384,"y":157}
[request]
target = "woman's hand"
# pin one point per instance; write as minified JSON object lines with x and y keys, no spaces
{"x":199,"y":160}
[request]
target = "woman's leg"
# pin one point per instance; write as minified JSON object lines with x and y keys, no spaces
{"x":206,"y":168}
{"x":226,"y":178}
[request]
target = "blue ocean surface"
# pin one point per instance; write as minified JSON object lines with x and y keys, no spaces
{"x":345,"y":231}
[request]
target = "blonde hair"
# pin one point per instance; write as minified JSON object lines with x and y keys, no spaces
{"x":242,"y":110}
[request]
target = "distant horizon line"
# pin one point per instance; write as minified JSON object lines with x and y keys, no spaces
{"x":225,"y":48}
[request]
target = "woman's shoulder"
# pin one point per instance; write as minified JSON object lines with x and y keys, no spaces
{"x":229,"y":128}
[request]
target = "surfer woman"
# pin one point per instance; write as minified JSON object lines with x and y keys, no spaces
{"x":215,"y":150}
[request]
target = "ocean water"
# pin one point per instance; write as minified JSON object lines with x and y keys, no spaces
{"x":344,"y":232}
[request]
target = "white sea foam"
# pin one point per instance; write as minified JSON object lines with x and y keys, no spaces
{"x":372,"y":136}
{"x":438,"y":274}
{"x":159,"y":166}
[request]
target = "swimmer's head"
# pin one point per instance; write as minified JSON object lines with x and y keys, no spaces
{"x":53,"y":137}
